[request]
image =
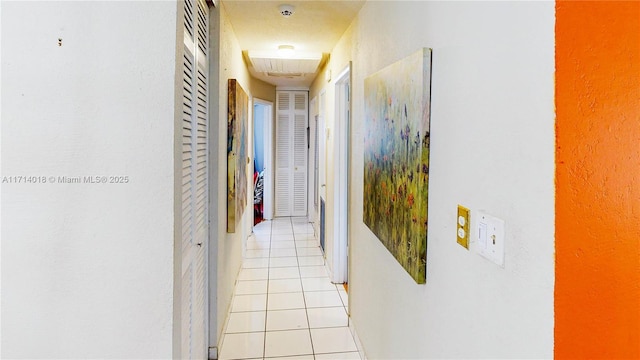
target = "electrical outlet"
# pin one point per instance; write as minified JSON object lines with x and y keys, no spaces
{"x":463,"y":226}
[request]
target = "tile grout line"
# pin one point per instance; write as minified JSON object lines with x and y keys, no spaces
{"x":266,"y":305}
{"x":306,"y":309}
{"x":300,"y":282}
{"x":299,"y":279}
{"x":306,"y":314}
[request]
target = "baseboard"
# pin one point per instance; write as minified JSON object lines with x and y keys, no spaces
{"x":352,"y":328}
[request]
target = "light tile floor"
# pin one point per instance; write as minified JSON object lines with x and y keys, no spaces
{"x":284,"y":304}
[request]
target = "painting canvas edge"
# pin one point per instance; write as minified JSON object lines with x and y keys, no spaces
{"x":231,"y":161}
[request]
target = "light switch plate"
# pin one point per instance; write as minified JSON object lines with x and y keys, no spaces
{"x":488,"y":237}
{"x":462,"y":228}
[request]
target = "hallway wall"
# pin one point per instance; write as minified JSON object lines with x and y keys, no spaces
{"x":263,"y":90}
{"x":87,"y":269}
{"x":492,"y":148}
{"x":227,"y":247}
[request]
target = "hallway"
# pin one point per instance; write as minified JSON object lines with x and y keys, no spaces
{"x":284,"y":304}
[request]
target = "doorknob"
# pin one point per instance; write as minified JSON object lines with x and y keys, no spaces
{"x":323,"y":185}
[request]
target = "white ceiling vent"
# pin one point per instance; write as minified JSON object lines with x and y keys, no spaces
{"x":272,"y":64}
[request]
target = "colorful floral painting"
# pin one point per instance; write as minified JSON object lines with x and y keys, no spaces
{"x":396,"y":159}
{"x":238,"y":120}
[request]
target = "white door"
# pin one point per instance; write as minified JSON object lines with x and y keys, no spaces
{"x":195,"y":68}
{"x":341,"y":178}
{"x":291,"y":153}
{"x":313,"y":162}
{"x":322,"y":169}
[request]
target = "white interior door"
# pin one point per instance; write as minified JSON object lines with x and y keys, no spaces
{"x":195,"y":165}
{"x":292,"y":116}
{"x":284,"y":163}
{"x":312,"y":163}
{"x":341,"y":177}
{"x":322,"y":149}
{"x":268,"y":155}
{"x":322,"y":169}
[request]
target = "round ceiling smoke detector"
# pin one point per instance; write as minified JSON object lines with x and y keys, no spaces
{"x":286,"y":10}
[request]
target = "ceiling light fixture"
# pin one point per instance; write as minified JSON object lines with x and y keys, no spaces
{"x":286,"y":10}
{"x":286,"y":51}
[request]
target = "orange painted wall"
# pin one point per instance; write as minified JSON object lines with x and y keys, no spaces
{"x":597,"y":290}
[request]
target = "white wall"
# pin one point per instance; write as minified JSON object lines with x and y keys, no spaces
{"x":228,"y":248}
{"x":87,"y":269}
{"x":492,"y":148}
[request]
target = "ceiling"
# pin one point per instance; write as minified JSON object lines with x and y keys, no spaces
{"x":315,"y":26}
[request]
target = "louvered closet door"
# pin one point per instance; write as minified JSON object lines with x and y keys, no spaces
{"x":283,"y":155}
{"x":194,"y":181}
{"x":292,"y":116}
{"x":300,"y":153}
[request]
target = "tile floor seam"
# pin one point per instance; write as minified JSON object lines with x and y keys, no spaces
{"x":306,"y":313}
{"x":266,"y":307}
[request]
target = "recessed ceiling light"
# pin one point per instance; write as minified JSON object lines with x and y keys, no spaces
{"x":286,"y":50}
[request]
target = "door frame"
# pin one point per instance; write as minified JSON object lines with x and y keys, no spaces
{"x":341,"y":176}
{"x":268,"y":156}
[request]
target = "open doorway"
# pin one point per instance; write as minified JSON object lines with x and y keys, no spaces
{"x":263,"y":161}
